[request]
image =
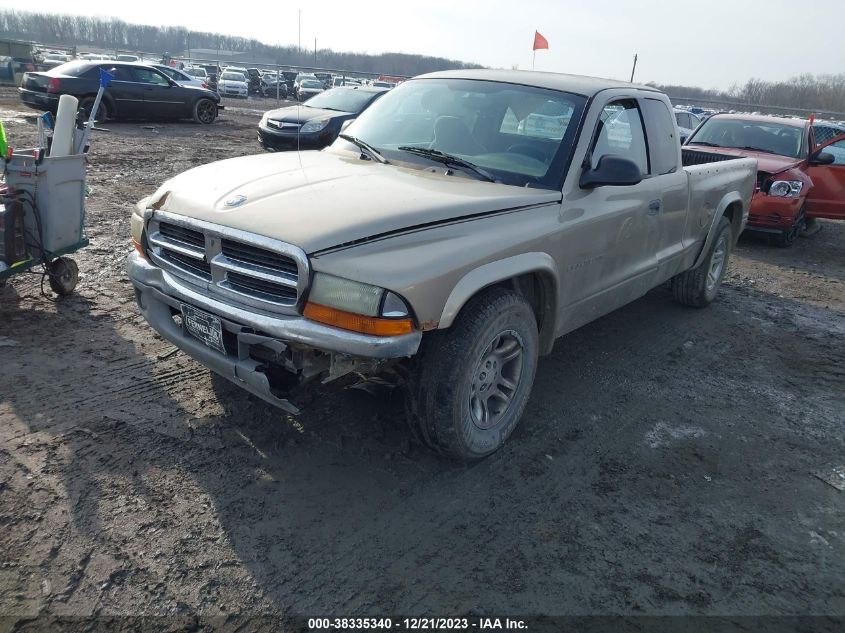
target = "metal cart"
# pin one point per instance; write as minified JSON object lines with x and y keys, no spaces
{"x":44,"y":216}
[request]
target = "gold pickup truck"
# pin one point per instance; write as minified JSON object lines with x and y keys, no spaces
{"x":453,"y":231}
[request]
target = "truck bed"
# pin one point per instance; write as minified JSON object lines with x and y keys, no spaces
{"x":712,"y":179}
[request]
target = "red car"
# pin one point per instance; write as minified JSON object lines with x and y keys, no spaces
{"x":797,"y":180}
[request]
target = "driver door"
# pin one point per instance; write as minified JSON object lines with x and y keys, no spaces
{"x":826,"y":199}
{"x":161,"y":98}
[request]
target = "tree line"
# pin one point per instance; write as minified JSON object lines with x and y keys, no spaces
{"x":822,"y":92}
{"x":808,"y":92}
{"x":114,"y":34}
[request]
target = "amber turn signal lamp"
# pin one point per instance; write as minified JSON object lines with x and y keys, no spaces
{"x":357,"y":322}
{"x":139,"y":248}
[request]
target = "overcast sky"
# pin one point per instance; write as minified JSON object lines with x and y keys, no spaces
{"x":709,"y":43}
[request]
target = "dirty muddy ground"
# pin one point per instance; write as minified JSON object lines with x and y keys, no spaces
{"x":665,"y":464}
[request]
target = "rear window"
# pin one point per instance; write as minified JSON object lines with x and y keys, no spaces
{"x":73,"y":69}
{"x":661,"y":136}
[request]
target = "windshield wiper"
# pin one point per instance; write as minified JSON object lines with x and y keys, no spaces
{"x":703,"y":143}
{"x":758,"y":149}
{"x":368,"y":149}
{"x":447,"y":159}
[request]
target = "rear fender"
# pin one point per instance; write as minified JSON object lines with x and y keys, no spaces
{"x":737,"y":224}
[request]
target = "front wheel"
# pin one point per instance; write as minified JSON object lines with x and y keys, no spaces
{"x":205,"y":111}
{"x":699,"y":286}
{"x":469,"y":384}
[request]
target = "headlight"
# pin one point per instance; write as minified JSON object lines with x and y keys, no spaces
{"x":314,"y":126}
{"x":786,"y":188}
{"x":356,"y":306}
{"x":137,"y":228}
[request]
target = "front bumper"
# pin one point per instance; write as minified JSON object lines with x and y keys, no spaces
{"x":770,"y":214}
{"x":160,"y":295}
{"x":283,"y":141}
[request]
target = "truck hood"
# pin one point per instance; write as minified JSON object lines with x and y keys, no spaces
{"x":321,"y":199}
{"x":770,"y":163}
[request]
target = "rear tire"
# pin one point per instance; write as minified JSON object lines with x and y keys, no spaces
{"x":86,"y":104}
{"x":469,"y":384}
{"x":64,"y":275}
{"x":205,"y":111}
{"x":698,"y":286}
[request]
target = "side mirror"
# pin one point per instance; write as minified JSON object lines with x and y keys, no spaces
{"x":611,"y":171}
{"x":346,"y":124}
{"x":822,"y":158}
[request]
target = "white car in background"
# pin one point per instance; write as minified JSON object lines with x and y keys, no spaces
{"x":51,"y":60}
{"x":181,"y":77}
{"x":196,"y":73}
{"x":233,"y":84}
{"x":239,"y":70}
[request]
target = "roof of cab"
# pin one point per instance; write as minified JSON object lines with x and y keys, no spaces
{"x":577,"y":84}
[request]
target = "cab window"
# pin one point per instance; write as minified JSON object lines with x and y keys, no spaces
{"x":620,"y":133}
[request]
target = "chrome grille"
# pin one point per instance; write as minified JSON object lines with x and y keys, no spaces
{"x":259,"y":257}
{"x":246,"y":268}
{"x":284,"y":125}
{"x":181,"y":234}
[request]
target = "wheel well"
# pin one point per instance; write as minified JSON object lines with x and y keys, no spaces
{"x":734,"y":213}
{"x":538,"y":288}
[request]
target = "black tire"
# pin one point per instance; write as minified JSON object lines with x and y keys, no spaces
{"x":205,"y":111}
{"x":697,"y":287}
{"x":787,"y":238}
{"x":86,"y":104}
{"x":460,"y":370}
{"x":64,"y":274}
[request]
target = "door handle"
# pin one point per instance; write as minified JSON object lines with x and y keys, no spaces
{"x":654,"y":207}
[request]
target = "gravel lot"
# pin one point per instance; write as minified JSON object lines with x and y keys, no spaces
{"x":665,"y":464}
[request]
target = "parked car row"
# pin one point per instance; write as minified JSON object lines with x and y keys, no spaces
{"x":136,"y":91}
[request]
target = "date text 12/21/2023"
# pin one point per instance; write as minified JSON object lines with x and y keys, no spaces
{"x":417,"y":624}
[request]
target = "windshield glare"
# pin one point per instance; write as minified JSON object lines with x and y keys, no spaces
{"x":342,"y":99}
{"x":233,"y":77}
{"x":522,"y":135}
{"x":772,"y":137}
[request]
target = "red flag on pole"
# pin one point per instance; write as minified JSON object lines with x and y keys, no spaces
{"x":540,"y":41}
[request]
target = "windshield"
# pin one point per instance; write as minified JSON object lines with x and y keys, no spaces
{"x":521,"y":135}
{"x":196,"y":72}
{"x":233,"y":77}
{"x":311,"y":84}
{"x":342,"y":99}
{"x":765,"y":136}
